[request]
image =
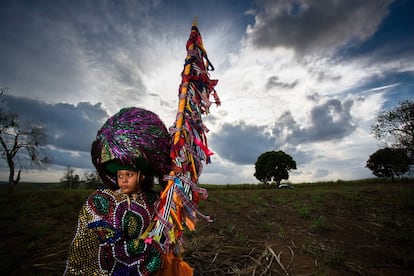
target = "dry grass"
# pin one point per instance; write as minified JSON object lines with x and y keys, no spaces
{"x":214,"y":257}
{"x":326,"y":229}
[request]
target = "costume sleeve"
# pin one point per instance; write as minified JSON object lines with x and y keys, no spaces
{"x":83,"y":252}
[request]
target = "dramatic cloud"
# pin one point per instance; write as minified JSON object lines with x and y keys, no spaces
{"x":241,"y":143}
{"x":328,"y":121}
{"x":68,"y":127}
{"x":306,"y":77}
{"x":316,"y":25}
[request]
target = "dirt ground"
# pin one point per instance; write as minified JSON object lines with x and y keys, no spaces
{"x":275,"y":240}
{"x":330,"y":230}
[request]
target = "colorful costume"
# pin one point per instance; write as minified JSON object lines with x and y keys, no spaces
{"x":120,"y":226}
{"x":110,"y":225}
{"x":107,"y":240}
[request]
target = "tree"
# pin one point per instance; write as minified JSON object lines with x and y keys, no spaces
{"x":21,"y":141}
{"x":92,"y":180}
{"x":274,"y":165}
{"x":70,"y":180}
{"x":396,"y":127}
{"x":389,"y":162}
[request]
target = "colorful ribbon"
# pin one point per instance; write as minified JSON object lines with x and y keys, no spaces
{"x":177,"y":206}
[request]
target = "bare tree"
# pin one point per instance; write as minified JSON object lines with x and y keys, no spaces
{"x":20,"y":141}
{"x":70,"y":180}
{"x":92,"y":180}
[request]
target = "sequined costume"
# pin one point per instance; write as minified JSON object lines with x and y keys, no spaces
{"x":107,"y":239}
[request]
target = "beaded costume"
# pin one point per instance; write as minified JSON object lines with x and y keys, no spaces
{"x":108,"y":238}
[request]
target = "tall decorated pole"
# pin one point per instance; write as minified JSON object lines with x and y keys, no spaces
{"x":178,"y":204}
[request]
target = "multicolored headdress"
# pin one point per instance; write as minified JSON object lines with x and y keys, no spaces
{"x":132,"y":138}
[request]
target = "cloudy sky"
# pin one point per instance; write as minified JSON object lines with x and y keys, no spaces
{"x":306,"y":77}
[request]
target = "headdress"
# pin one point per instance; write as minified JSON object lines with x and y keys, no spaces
{"x":133,"y":138}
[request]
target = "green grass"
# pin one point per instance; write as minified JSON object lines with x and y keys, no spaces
{"x":304,"y":211}
{"x":319,"y":224}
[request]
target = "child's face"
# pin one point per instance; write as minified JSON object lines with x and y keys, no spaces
{"x":128,"y":181}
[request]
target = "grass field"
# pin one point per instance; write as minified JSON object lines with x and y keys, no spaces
{"x":334,"y":228}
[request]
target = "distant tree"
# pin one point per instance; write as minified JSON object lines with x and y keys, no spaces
{"x":70,"y":180}
{"x":92,"y":180}
{"x":274,"y":165}
{"x":389,"y":162}
{"x":20,"y":141}
{"x":395,"y":128}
